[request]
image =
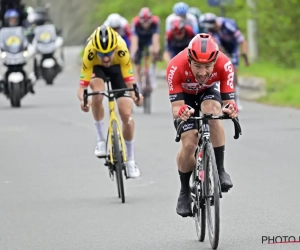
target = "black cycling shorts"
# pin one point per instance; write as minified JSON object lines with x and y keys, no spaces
{"x":195,"y":101}
{"x":116,"y":78}
{"x":141,"y":47}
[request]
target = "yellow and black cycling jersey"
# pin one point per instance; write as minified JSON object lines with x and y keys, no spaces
{"x":121,"y":57}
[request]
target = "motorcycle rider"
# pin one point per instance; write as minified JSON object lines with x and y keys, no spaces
{"x":41,"y":17}
{"x":17,"y":6}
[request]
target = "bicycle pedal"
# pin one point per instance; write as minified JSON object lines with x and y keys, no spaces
{"x":111,"y":175}
{"x":102,"y":156}
{"x":125,"y":172}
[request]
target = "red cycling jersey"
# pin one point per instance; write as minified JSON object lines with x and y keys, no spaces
{"x":181,"y":79}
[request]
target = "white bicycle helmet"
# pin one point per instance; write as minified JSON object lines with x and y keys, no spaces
{"x":114,"y":20}
{"x":31,"y":14}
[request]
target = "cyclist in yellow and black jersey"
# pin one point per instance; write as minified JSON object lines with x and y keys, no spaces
{"x":106,"y":55}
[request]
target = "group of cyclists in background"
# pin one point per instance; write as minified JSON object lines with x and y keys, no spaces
{"x":180,"y":27}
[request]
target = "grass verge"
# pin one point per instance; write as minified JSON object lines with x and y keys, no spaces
{"x":283,"y":87}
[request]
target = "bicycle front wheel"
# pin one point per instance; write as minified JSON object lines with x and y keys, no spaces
{"x":212,"y":194}
{"x":198,"y":206}
{"x":118,"y":161}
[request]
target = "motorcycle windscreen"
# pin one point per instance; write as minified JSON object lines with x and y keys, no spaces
{"x":45,"y":33}
{"x":12,"y":39}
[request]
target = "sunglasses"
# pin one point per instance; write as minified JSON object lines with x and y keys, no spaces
{"x":145,"y":20}
{"x":105,"y":54}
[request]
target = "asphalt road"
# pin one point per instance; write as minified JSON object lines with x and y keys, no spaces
{"x":55,"y":194}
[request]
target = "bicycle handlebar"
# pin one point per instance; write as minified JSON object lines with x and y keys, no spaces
{"x":108,"y":92}
{"x":237,"y":126}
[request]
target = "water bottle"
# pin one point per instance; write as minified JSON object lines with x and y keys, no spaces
{"x":200,"y":166}
{"x":199,"y":160}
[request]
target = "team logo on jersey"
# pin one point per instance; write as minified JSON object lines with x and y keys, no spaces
{"x":122,"y":53}
{"x":187,"y":73}
{"x":90,"y":55}
{"x":128,"y":64}
{"x":213,"y":75}
{"x":188,"y":80}
{"x":170,"y":77}
{"x":191,"y":86}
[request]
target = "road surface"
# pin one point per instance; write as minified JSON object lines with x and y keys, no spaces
{"x":55,"y":194}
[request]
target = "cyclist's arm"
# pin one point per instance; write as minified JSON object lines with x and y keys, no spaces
{"x":169,"y":22}
{"x":134,"y":38}
{"x":226,"y":85}
{"x":244,"y":46}
{"x":238,"y":36}
{"x":194,"y":23}
{"x":86,"y":72}
{"x":156,"y":35}
{"x":127,"y":30}
{"x":176,"y":95}
{"x":126,"y":68}
{"x":167,"y":55}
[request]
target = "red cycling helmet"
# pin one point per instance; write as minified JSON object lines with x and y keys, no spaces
{"x":177,"y":25}
{"x":203,"y":49}
{"x":145,"y":14}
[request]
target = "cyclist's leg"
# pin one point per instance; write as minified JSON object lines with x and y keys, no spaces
{"x":97,"y":84}
{"x":211,"y":103}
{"x":125,"y":102}
{"x":185,"y":159}
{"x":137,"y":64}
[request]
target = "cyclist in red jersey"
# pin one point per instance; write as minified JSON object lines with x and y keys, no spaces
{"x":145,"y":33}
{"x":200,"y":78}
{"x":177,"y":39}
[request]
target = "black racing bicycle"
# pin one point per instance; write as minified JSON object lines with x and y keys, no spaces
{"x":206,"y":189}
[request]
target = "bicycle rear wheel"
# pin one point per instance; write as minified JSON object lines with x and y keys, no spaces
{"x":147,"y":95}
{"x":212,"y":194}
{"x":118,"y":162}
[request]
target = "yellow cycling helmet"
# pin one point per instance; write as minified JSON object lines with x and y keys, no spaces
{"x":104,"y":39}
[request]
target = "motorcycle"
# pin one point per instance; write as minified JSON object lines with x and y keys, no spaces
{"x":49,"y":57}
{"x":15,"y":54}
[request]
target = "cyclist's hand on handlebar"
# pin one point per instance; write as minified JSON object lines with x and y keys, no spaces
{"x":246,"y":61}
{"x":87,"y":107}
{"x":184,"y":112}
{"x":138,"y":102}
{"x":158,"y":56}
{"x":230,"y":109}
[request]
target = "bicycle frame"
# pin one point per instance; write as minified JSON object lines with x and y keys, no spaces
{"x":144,"y":70}
{"x":113,"y":117}
{"x":146,"y":62}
